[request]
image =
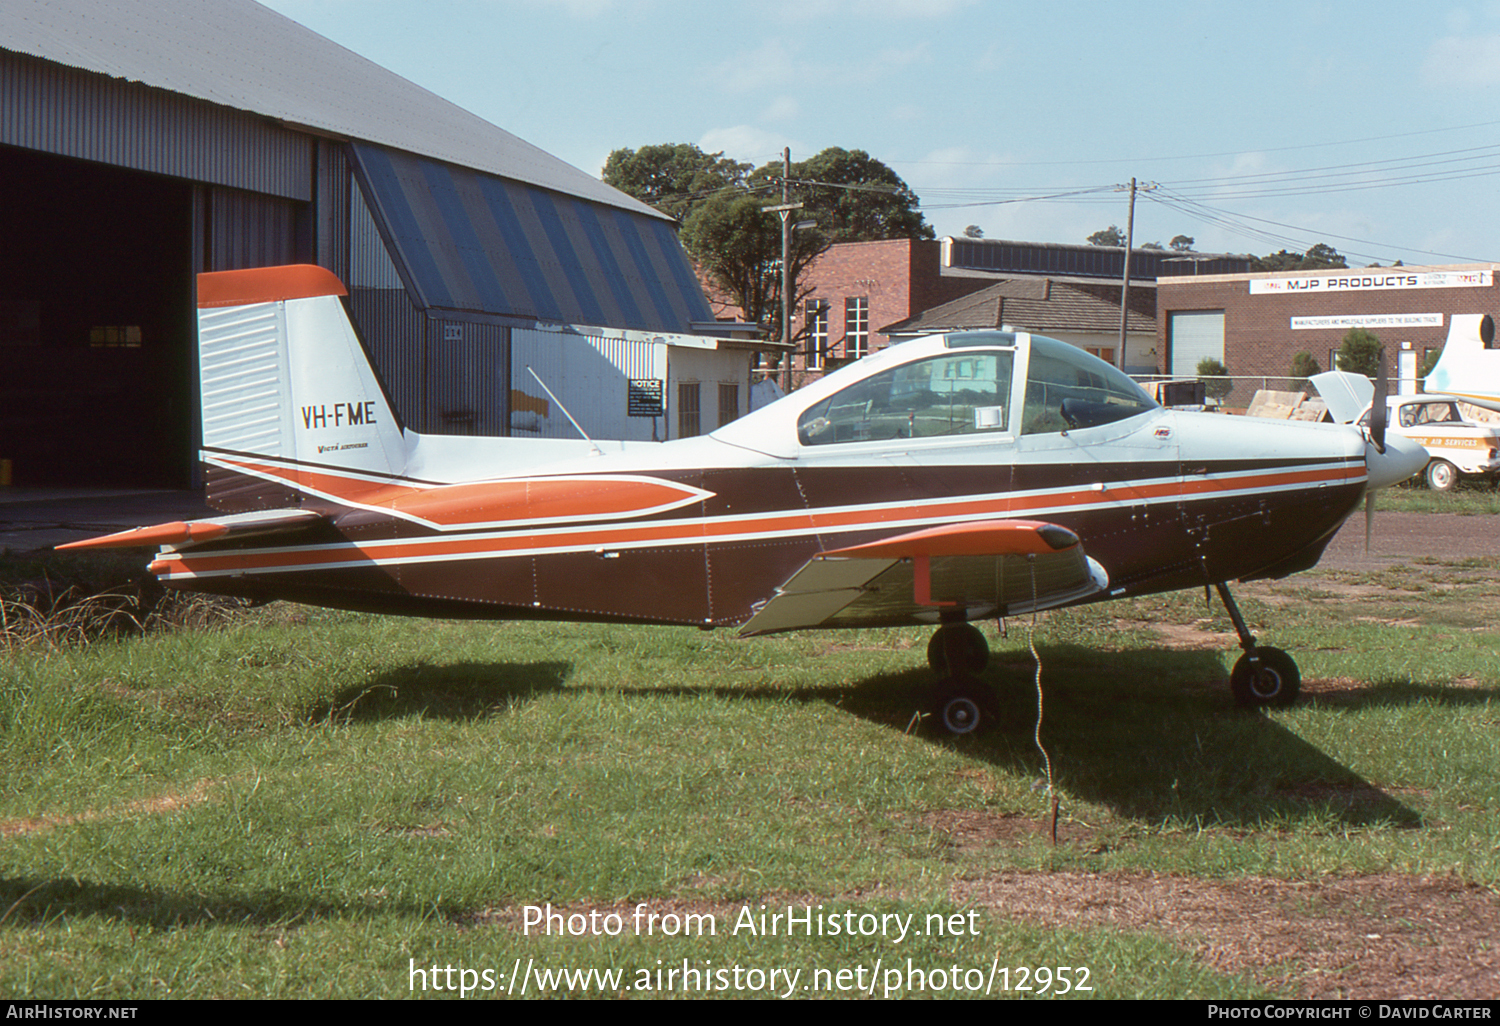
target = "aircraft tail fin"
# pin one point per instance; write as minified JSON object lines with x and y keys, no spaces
{"x":291,"y":404}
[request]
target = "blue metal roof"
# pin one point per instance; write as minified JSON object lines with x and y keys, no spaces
{"x":470,"y":241}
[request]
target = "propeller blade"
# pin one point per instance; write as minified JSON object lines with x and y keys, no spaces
{"x":1379,"y":407}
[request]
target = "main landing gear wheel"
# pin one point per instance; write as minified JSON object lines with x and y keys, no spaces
{"x":964,"y":705}
{"x":1442,"y":476}
{"x":958,"y":648}
{"x":1275,"y":682}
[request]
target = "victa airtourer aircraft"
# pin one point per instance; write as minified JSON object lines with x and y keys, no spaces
{"x":941,"y":481}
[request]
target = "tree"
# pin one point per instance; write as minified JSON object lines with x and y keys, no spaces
{"x":1111,"y":236}
{"x":1429,"y":362}
{"x":1304,"y":366}
{"x":737,"y":243}
{"x":852,"y":196}
{"x":1359,"y":353}
{"x":1318,"y":257}
{"x":973,"y":231}
{"x":673,"y":177}
{"x":1215,"y":378}
{"x":1152,"y":245}
{"x":1182,"y":243}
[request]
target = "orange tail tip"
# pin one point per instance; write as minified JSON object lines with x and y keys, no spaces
{"x":266,"y":285}
{"x":176,"y":533}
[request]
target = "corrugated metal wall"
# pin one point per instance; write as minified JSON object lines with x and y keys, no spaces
{"x":247,"y":229}
{"x":590,"y":374}
{"x":71,"y":113}
{"x":332,"y":231}
{"x":393,"y":329}
{"x":466,"y":375}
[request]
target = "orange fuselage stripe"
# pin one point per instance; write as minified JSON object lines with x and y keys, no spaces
{"x":607,"y":536}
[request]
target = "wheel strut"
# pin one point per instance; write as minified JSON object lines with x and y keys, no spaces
{"x":1263,"y":676}
{"x":1247,"y":640}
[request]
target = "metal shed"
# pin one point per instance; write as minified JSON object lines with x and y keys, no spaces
{"x":143,"y":142}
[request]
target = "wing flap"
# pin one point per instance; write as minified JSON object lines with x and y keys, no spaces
{"x":983,"y":569}
{"x":195,"y":532}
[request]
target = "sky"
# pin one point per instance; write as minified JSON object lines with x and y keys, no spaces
{"x":1370,"y":126}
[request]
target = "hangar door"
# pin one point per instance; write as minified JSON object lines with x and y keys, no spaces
{"x":97,"y":321}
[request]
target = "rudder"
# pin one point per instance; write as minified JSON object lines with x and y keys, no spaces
{"x":288,"y":394}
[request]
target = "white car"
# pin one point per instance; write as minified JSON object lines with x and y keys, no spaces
{"x":1457,"y":446}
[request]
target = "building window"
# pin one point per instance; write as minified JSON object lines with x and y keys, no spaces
{"x":729,"y":403}
{"x":1105,"y":353}
{"x":688,"y":423}
{"x":817,"y":333}
{"x":857,"y":327}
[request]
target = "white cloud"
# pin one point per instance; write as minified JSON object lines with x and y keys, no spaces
{"x":578,"y":10}
{"x":747,"y":143}
{"x":802,"y":11}
{"x":1463,"y":61}
{"x":783,"y":108}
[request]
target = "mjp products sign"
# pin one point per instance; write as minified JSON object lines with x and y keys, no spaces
{"x":1383,"y":280}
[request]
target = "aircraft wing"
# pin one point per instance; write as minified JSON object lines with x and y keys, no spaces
{"x":994,"y":567}
{"x":192,"y":532}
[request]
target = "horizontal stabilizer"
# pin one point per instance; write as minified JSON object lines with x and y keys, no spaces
{"x":981,"y":569}
{"x":195,"y":532}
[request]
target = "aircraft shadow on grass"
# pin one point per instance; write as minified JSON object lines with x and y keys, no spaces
{"x":459,"y":691}
{"x":1150,"y":733}
{"x":27,"y":902}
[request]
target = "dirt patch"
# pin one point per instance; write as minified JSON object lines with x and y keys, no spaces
{"x":1387,"y":936}
{"x":1193,"y":637}
{"x":966,"y":830}
{"x":28,"y":825}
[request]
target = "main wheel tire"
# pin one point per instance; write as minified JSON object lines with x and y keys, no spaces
{"x":1276,"y":682}
{"x":964,"y":705}
{"x":958,"y":648}
{"x":1442,"y":476}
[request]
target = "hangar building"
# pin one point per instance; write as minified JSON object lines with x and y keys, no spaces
{"x":142,"y":142}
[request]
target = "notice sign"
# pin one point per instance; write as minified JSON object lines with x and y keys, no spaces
{"x":1415,"y":320}
{"x":644,"y":397}
{"x":1383,"y":280}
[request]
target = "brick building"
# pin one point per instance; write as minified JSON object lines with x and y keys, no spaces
{"x":861,"y":289}
{"x":1257,"y":323}
{"x":1081,"y":312}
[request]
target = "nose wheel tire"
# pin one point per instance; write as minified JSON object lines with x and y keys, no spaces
{"x":958,"y":648}
{"x":1275,"y":682}
{"x":1442,"y":476}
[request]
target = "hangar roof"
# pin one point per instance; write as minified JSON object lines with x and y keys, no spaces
{"x":239,"y":54}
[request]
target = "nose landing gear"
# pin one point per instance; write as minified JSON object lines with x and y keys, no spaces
{"x":1263,"y":676}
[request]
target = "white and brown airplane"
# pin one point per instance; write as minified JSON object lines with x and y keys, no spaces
{"x":946,"y":480}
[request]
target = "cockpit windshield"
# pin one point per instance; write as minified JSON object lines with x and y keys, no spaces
{"x":1067,"y":388}
{"x":968,"y":389}
{"x":954,"y":394}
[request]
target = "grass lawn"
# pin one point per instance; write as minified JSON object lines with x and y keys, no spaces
{"x":288,"y":802}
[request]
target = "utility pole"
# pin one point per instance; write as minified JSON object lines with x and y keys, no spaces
{"x":785,"y":209}
{"x":1125,"y":281}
